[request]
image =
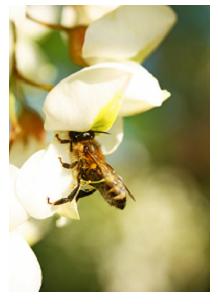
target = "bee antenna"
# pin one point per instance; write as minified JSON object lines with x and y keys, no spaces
{"x":102,"y":132}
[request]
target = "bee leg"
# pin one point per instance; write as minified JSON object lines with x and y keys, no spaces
{"x":84,"y":193}
{"x":65,"y":141}
{"x":62,"y":141}
{"x":66,"y":165}
{"x":59,"y":202}
{"x":96,"y":182}
{"x":130,"y":194}
{"x":67,"y":199}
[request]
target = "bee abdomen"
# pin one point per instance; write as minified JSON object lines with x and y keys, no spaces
{"x":114,"y":195}
{"x":119,"y":202}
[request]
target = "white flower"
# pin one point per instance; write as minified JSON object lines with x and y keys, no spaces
{"x":18,"y":214}
{"x":80,"y":101}
{"x":129,"y":32}
{"x":28,"y":28}
{"x":25,"y":273}
{"x":42,"y":177}
{"x":95,"y":97}
{"x":143,"y":91}
{"x":113,"y":33}
{"x":35,"y":63}
{"x":34,"y":230}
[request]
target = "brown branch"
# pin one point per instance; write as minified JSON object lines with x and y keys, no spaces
{"x":43,"y":86}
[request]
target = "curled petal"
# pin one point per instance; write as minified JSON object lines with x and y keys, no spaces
{"x":110,"y":142}
{"x":128,"y":32}
{"x":25,"y":273}
{"x":143,"y":91}
{"x":68,"y":210}
{"x":88,"y":99}
{"x":42,"y":177}
{"x":18,"y":215}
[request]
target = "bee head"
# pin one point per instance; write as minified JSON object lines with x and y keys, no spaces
{"x":79,"y":136}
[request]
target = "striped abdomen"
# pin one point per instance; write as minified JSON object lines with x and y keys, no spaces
{"x":113,"y":191}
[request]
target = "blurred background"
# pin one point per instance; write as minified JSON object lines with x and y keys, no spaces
{"x":161,"y":241}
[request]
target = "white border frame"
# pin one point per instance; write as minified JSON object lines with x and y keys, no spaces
{"x":120,"y":297}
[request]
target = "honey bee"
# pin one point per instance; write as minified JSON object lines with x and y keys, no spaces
{"x":92,"y":171}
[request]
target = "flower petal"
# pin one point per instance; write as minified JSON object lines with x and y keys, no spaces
{"x":143,"y":91}
{"x":28,"y":28}
{"x":18,"y":215}
{"x":45,"y":13}
{"x":43,"y":177}
{"x":34,"y":230}
{"x":90,"y":13}
{"x":80,"y":101}
{"x":110,"y":142}
{"x":83,"y":14}
{"x":25,"y":273}
{"x":127,"y":32}
{"x":34,"y":64}
{"x":68,"y":210}
{"x":20,"y":150}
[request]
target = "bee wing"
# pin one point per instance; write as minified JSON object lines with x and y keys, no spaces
{"x":121,"y":179}
{"x":128,"y":191}
{"x":98,"y":162}
{"x":130,"y":194}
{"x":107,"y":169}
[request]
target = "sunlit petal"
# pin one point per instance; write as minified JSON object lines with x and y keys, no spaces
{"x":18,"y":215}
{"x":25,"y":273}
{"x":43,"y":177}
{"x":88,"y":99}
{"x":143,"y":91}
{"x":89,"y":13}
{"x":127,"y":32}
{"x":68,"y":210}
{"x":110,"y":142}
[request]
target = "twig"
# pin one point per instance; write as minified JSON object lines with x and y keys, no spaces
{"x":43,"y":86}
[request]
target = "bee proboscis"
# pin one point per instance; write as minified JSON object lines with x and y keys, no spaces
{"x":92,"y":171}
